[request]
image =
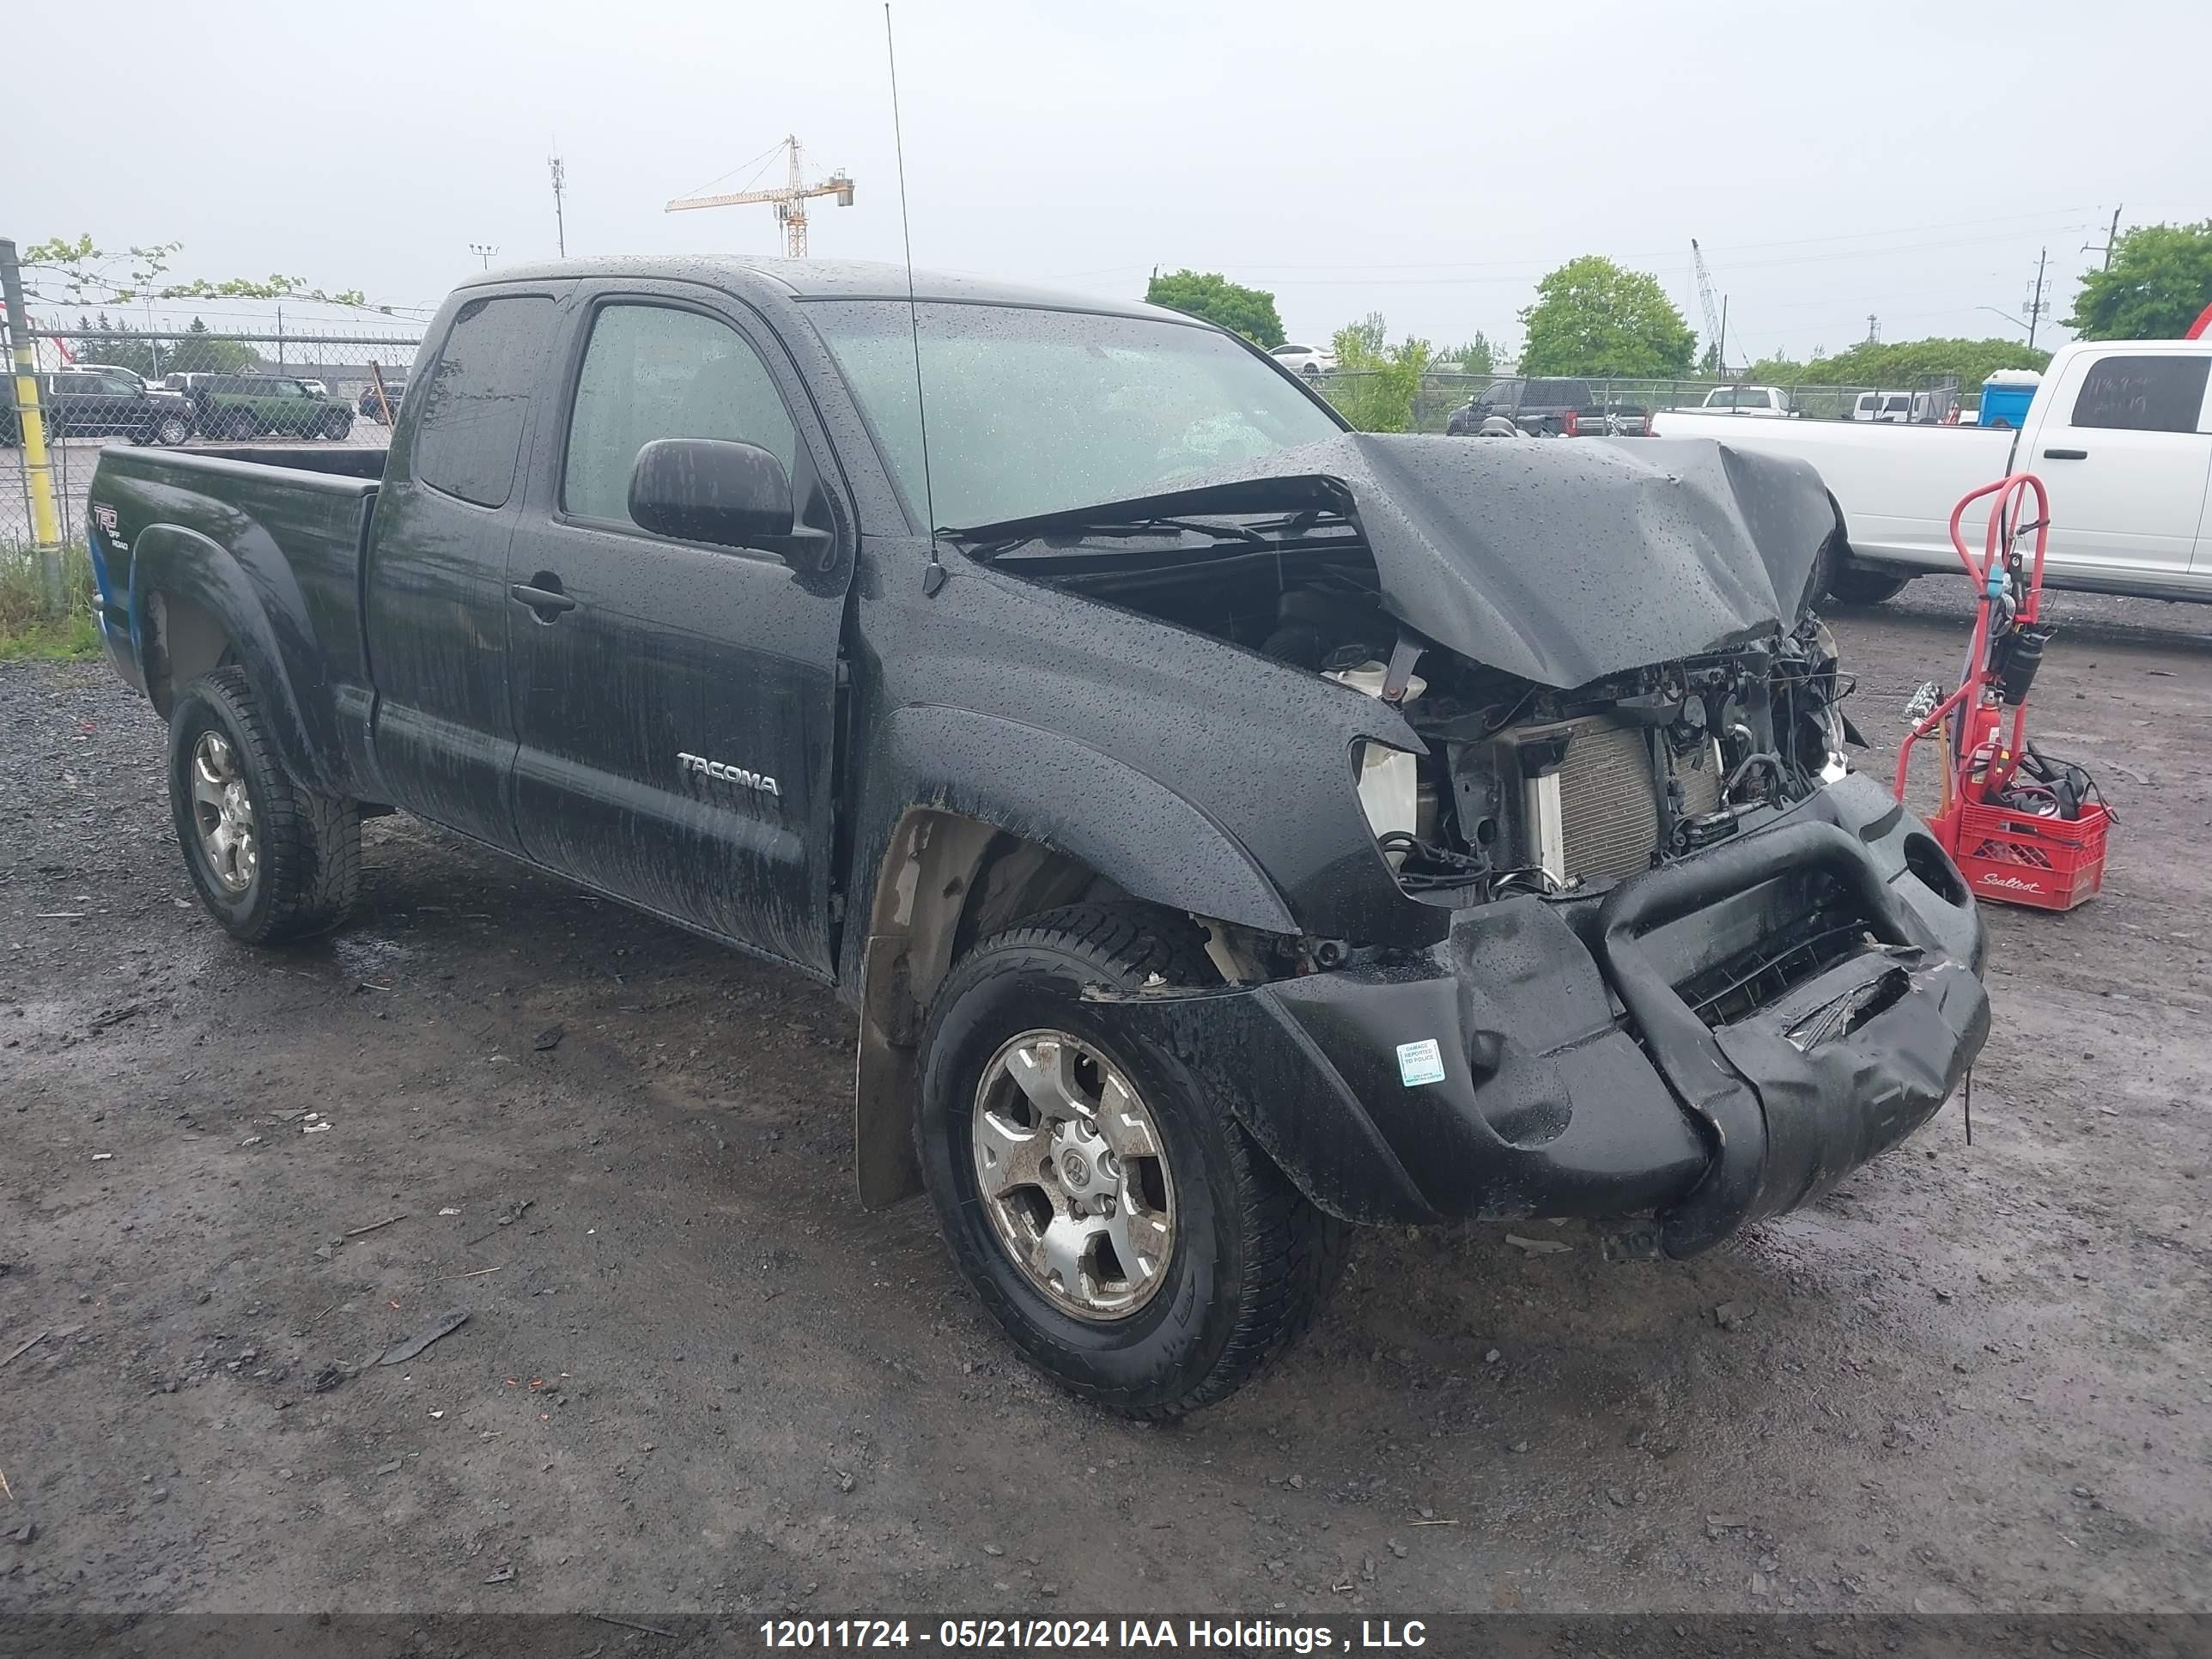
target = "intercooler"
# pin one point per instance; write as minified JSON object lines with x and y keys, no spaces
{"x":1597,"y":815}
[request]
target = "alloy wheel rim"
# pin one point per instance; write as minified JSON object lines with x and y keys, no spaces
{"x":223,"y":813}
{"x":1073,"y":1172}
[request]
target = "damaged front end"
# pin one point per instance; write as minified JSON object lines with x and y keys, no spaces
{"x":1690,"y":966}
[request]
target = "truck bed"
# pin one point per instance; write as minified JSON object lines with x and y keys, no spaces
{"x":289,"y":524}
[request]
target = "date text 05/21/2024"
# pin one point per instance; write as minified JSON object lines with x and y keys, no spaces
{"x":1096,"y":1635}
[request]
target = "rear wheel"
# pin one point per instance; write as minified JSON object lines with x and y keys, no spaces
{"x":237,"y":424}
{"x":271,"y":862}
{"x":1113,"y":1216}
{"x":337,"y":426}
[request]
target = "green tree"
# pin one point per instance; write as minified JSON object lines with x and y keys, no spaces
{"x":2160,"y":282}
{"x":1592,"y":317}
{"x":1375,"y":383}
{"x":120,"y":344}
{"x":199,"y":352}
{"x":1247,"y":311}
{"x":153,"y":356}
{"x":1780,"y":370}
{"x":1899,"y":364}
{"x":1476,"y":357}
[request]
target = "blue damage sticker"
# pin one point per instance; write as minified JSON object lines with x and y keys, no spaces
{"x":1420,"y":1063}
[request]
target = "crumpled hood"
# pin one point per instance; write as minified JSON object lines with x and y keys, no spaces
{"x":1560,"y":561}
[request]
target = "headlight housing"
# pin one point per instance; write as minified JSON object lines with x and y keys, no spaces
{"x":1389,"y":784}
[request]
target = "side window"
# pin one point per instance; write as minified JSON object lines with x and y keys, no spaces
{"x":468,"y":424}
{"x":655,"y":372}
{"x":2143,"y":394}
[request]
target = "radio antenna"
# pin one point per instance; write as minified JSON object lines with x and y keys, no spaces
{"x":933,"y":578}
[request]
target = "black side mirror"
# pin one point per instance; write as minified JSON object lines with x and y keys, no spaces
{"x":710,"y":489}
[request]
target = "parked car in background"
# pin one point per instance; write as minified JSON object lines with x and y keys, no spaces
{"x":374,"y":411}
{"x":644,"y":597}
{"x":1901,"y":408}
{"x":1549,"y":409}
{"x":100,"y":402}
{"x":1769,"y":402}
{"x":131,"y":375}
{"x":2120,"y":430}
{"x":267,"y":405}
{"x":315,"y":386}
{"x":1305,"y":359}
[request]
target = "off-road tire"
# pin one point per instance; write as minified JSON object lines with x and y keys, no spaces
{"x":1854,"y":585}
{"x":309,"y":876}
{"x":1253,"y":1258}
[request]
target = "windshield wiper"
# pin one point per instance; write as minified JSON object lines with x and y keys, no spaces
{"x":1219,"y":532}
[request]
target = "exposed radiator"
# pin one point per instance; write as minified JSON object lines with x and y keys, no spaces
{"x":1609,"y":816}
{"x":1595,"y":815}
{"x":1598,"y":815}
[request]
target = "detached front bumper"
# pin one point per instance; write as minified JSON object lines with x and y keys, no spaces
{"x":1572,"y":1057}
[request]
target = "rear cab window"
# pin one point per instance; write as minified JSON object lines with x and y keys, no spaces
{"x":470,"y":419}
{"x":1558,"y":394}
{"x":2149,"y":393}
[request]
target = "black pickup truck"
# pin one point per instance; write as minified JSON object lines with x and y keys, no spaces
{"x":1227,"y":826}
{"x":1549,"y":409}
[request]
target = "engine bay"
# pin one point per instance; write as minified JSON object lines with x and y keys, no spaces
{"x":1524,"y":788}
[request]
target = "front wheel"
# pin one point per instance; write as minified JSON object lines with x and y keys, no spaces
{"x":271,"y":862}
{"x":338,"y":426}
{"x":1110,"y":1210}
{"x":172,"y":430}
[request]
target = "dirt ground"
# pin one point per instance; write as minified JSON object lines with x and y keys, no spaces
{"x":695,"y":1377}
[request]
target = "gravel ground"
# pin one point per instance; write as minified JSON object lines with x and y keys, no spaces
{"x":696,"y":1376}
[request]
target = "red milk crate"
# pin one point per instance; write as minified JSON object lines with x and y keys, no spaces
{"x":2019,"y":858}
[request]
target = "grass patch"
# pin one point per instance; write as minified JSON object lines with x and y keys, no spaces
{"x":26,"y":633}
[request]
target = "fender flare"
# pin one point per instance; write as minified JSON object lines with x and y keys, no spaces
{"x":965,"y":781}
{"x":171,"y":563}
{"x":1128,"y":826}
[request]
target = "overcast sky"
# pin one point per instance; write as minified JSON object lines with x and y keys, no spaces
{"x":1427,"y":162}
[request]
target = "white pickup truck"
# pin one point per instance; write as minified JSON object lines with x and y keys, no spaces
{"x":1770,"y":403}
{"x":2121,"y":431}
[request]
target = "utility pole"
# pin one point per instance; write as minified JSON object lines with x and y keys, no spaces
{"x":483,"y":251}
{"x":2112,"y":237}
{"x":560,"y":224}
{"x":38,"y":464}
{"x":1720,"y":346}
{"x":2035,"y":306}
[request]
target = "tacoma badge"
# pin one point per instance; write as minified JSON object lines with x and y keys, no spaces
{"x":721,"y":772}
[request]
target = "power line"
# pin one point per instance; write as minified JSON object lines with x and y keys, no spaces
{"x":2043,"y":216}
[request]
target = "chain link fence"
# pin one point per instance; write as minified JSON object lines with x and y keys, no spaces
{"x":187,"y":388}
{"x":1929,"y":401}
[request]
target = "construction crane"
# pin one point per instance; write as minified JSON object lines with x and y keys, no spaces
{"x":790,"y":200}
{"x":1715,"y":319}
